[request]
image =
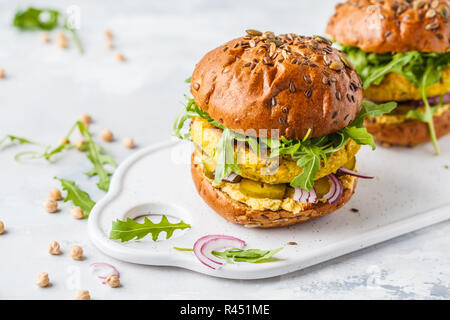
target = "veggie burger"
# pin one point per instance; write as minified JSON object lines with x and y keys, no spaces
{"x":276,"y":123}
{"x":401,"y":51}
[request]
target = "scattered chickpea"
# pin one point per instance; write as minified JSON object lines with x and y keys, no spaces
{"x":51,"y":206}
{"x":45,"y":37}
{"x":108,"y":34}
{"x":54,"y":248}
{"x":76,"y":252}
{"x":128,"y":142}
{"x":2,"y":73}
{"x":2,"y":227}
{"x":107,"y":135}
{"x":55,"y":194}
{"x":79,"y":144}
{"x":42,"y":279}
{"x":61,"y":40}
{"x":120,"y":57}
{"x":82,"y":295}
{"x":85,"y":118}
{"x":76,"y":213}
{"x":113,"y":280}
{"x":110,"y":44}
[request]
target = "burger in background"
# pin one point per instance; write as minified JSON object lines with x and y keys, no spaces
{"x":401,"y":51}
{"x":276,"y":123}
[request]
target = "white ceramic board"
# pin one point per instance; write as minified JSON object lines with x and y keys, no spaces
{"x":411,"y":190}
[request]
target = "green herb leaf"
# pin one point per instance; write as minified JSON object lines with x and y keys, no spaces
{"x":249,"y":255}
{"x":44,"y":19}
{"x":78,"y":197}
{"x":36,"y":19}
{"x":93,"y":153}
{"x":19,"y":140}
{"x":130,"y":229}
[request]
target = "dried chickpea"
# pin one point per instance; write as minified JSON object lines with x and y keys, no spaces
{"x":108,"y":34}
{"x":2,"y":227}
{"x":76,"y":252}
{"x":128,"y":142}
{"x":51,"y":206}
{"x":110,"y":44}
{"x":120,"y":57}
{"x":86,"y":119}
{"x":2,"y":73}
{"x":76,"y":213}
{"x":107,"y":135}
{"x":45,"y":37}
{"x":55,"y":194}
{"x":54,"y":248}
{"x":82,"y":295}
{"x":113,"y":280}
{"x":79,"y":144}
{"x":42,"y":279}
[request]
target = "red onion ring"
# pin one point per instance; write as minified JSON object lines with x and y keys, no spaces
{"x":301,"y":195}
{"x":336,"y":190}
{"x":344,"y":170}
{"x":232,"y":177}
{"x":104,"y":265}
{"x":204,"y":246}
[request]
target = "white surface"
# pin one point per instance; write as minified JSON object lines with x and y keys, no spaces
{"x":46,"y":90}
{"x":142,"y":185}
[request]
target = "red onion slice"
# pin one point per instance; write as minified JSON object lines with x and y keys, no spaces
{"x":336,"y":190}
{"x":301,"y":195}
{"x":204,"y":246}
{"x":344,"y":170}
{"x":232,"y":177}
{"x":103,"y":266}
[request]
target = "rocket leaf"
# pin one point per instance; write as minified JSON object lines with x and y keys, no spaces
{"x":130,"y":229}
{"x":78,"y":197}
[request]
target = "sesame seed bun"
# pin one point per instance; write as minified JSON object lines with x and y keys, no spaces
{"x":287,"y":82}
{"x":240,"y":213}
{"x":392,"y":25}
{"x":409,"y":133}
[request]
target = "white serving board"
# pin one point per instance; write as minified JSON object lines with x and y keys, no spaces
{"x":411,"y":190}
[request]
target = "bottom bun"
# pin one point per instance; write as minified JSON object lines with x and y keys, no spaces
{"x":408,"y":133}
{"x":240,"y":213}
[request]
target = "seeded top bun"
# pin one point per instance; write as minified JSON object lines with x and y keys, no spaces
{"x":392,"y":25}
{"x":288,"y":82}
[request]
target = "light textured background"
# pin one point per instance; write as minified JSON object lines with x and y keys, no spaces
{"x":45,"y":91}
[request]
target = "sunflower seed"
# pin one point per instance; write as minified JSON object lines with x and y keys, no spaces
{"x":338,"y":95}
{"x":435,"y":4}
{"x":308,"y":92}
{"x":291,"y":87}
{"x":307,"y":79}
{"x":336,"y":65}
{"x":430,"y":14}
{"x":432,"y":26}
{"x":196,"y":86}
{"x":253,"y":32}
{"x":444,"y":12}
{"x":273,"y":102}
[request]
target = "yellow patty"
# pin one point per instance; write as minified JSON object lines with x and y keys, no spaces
{"x":258,"y":168}
{"x":395,"y":87}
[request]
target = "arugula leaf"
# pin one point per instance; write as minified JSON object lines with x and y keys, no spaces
{"x":249,"y":255}
{"x":93,"y":153}
{"x":19,"y":140}
{"x":44,"y":19}
{"x":36,"y":19}
{"x":78,"y":197}
{"x":130,"y":229}
{"x":226,"y":162}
